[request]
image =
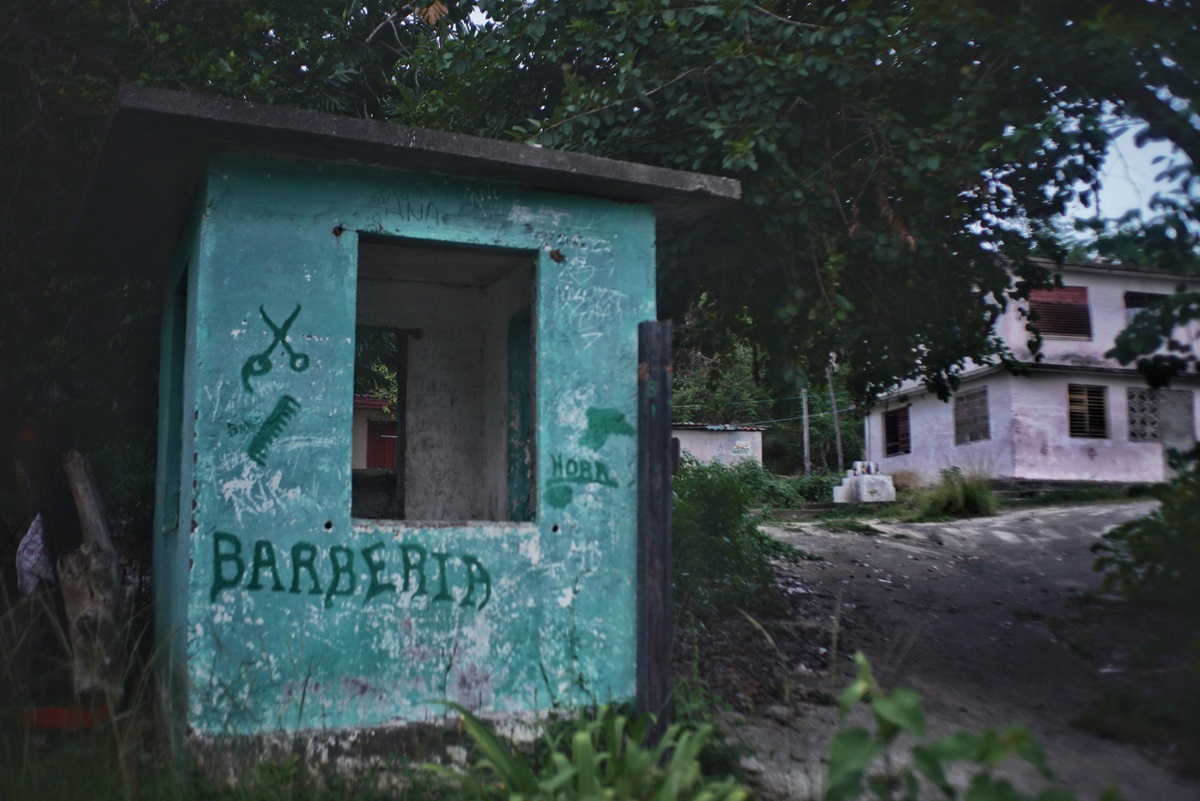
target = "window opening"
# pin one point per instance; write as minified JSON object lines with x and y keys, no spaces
{"x":1143,"y":415}
{"x":1062,"y":312}
{"x":1087,"y":411}
{"x":895,"y":432}
{"x":1136,"y":301}
{"x":971,"y":423}
{"x":443,"y":383}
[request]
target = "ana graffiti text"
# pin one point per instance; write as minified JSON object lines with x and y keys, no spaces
{"x":398,"y":204}
{"x":335,"y":571}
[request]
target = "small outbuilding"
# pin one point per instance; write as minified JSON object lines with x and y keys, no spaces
{"x":486,"y":553}
{"x":727,"y":443}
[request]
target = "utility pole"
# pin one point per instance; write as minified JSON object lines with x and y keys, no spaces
{"x":837,"y":426}
{"x":804,"y":414}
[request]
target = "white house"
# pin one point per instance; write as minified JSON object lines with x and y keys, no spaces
{"x":1077,"y":416}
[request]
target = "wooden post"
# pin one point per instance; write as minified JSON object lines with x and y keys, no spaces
{"x":655,"y":629}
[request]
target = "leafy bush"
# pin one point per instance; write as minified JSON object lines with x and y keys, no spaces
{"x":598,"y":757}
{"x":959,"y":495}
{"x":854,"y":753}
{"x":720,"y":560}
{"x":786,"y":492}
{"x":1157,"y":557}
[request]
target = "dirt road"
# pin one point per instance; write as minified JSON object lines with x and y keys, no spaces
{"x":977,"y":616}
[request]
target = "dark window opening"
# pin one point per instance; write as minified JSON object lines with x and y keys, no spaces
{"x":1062,"y":312}
{"x":895,"y":432}
{"x":1087,"y":411}
{"x":971,"y":422}
{"x":443,"y":383}
{"x":1136,"y":301}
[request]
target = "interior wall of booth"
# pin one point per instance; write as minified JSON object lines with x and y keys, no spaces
{"x":299,"y":616}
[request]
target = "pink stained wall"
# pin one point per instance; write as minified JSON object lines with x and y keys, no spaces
{"x":1044,"y":449}
{"x":931,"y":434}
{"x":1106,"y":302}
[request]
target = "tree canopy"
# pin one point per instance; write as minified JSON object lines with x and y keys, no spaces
{"x":896,"y":156}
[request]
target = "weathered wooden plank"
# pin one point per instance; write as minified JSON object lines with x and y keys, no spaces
{"x":655,"y":618}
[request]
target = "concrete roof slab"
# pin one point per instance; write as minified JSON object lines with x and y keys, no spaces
{"x":158,"y":142}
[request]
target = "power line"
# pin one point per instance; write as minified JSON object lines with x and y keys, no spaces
{"x":747,"y":403}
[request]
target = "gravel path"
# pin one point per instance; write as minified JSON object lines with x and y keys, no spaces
{"x":982,"y":617}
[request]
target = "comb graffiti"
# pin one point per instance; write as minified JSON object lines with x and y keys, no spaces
{"x":272,"y":428}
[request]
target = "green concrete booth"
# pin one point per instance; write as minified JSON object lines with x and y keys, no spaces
{"x":491,"y":560}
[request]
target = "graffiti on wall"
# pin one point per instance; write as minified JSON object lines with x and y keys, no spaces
{"x":257,"y":492}
{"x":396,"y":204}
{"x":260,"y":363}
{"x":568,"y":471}
{"x":272,"y":428}
{"x":333,"y":571}
{"x":565,"y":472}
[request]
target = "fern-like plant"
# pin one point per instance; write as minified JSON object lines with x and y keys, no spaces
{"x":601,"y":756}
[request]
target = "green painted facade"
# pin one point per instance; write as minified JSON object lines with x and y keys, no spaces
{"x":276,"y":610}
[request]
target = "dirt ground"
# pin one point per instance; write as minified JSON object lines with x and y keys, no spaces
{"x":995,"y":621}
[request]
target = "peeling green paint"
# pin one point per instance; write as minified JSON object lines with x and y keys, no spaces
{"x":282,"y":612}
{"x":602,"y":424}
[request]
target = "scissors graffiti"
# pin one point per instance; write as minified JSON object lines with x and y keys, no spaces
{"x":260,"y":363}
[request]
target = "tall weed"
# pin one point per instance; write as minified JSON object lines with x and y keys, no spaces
{"x":959,"y":495}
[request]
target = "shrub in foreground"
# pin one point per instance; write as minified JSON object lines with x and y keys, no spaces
{"x":721,"y":560}
{"x":600,"y":756}
{"x":1157,"y":558}
{"x":861,"y":767}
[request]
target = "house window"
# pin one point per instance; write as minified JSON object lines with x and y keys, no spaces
{"x":444,"y":342}
{"x":895,"y":432}
{"x":1143,"y":415}
{"x":1087,"y":411}
{"x":971,"y":422}
{"x":1136,"y":301}
{"x":1062,"y":312}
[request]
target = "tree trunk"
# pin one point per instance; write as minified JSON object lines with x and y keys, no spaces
{"x":92,"y":594}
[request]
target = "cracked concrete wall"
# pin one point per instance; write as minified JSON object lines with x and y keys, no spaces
{"x":289,"y":615}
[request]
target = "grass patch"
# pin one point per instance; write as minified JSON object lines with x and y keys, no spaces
{"x":1083,"y":494}
{"x":851,"y":527}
